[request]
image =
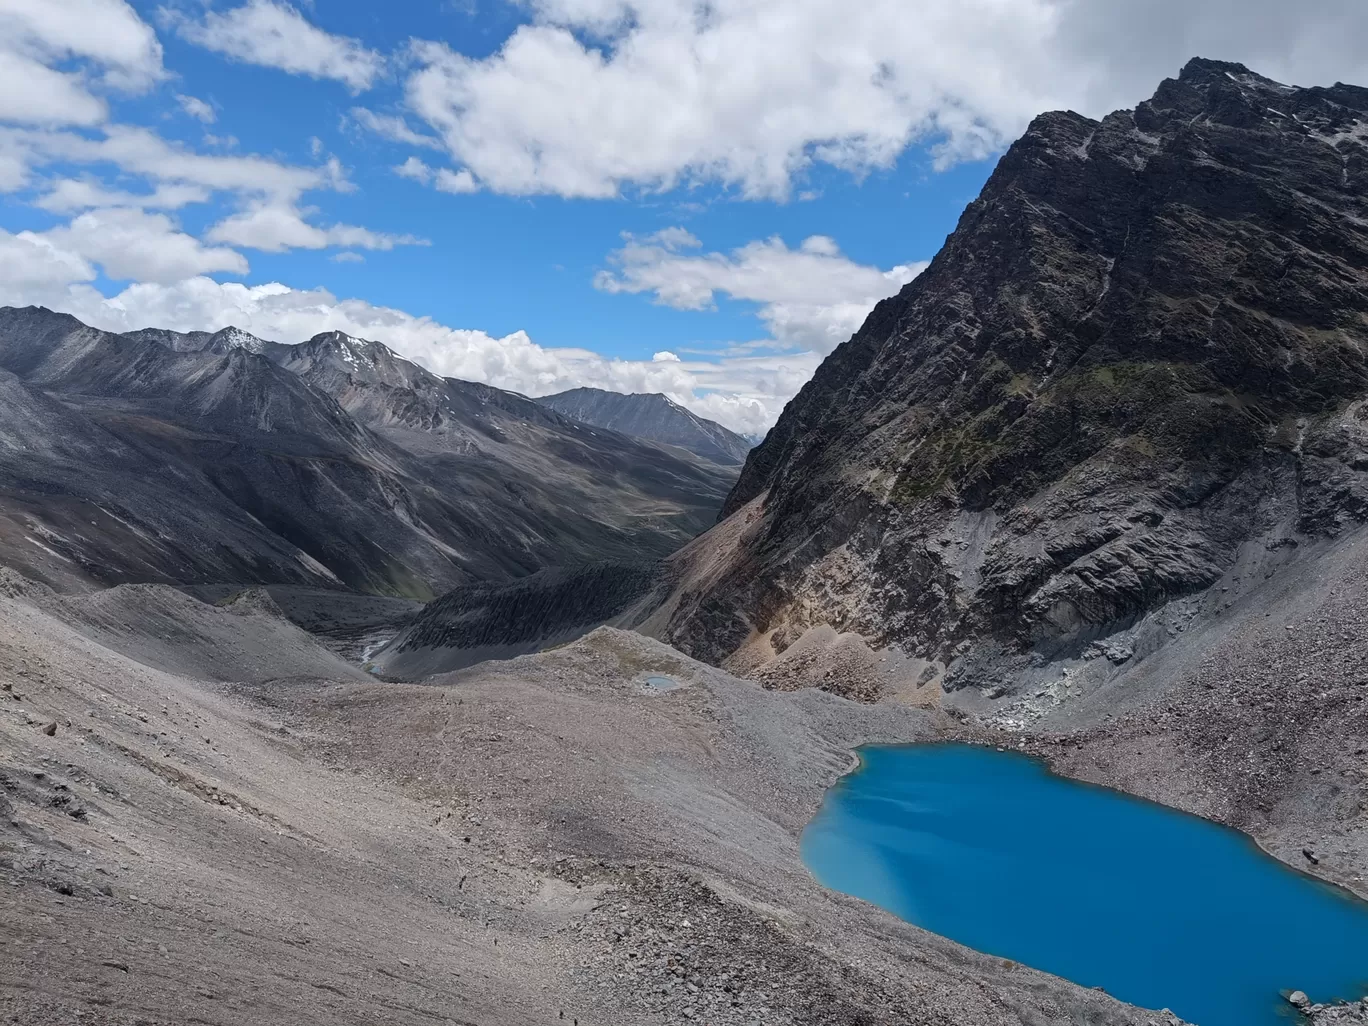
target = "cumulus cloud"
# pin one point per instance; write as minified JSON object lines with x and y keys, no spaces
{"x":33,"y":92}
{"x":35,"y":270}
{"x":277,"y":227}
{"x":596,"y":95}
{"x":197,"y":108}
{"x":139,"y":151}
{"x":392,"y":127}
{"x":812,"y":297}
{"x":275,"y":35}
{"x":745,"y":393}
{"x":132,"y":244}
{"x":126,"y":243}
{"x":443,"y":179}
{"x":116,"y":48}
{"x":270,"y":218}
{"x":68,"y":195}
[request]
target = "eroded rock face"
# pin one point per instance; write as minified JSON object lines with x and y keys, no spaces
{"x":1142,"y":354}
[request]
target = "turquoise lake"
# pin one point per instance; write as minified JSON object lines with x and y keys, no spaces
{"x":1159,"y":908}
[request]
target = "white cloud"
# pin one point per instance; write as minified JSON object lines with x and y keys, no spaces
{"x":276,"y":35}
{"x":746,"y":93}
{"x":415,"y":169}
{"x":139,"y":151}
{"x":276,"y":227}
{"x":745,"y":393}
{"x":32,"y":92}
{"x":34,"y":270}
{"x":665,"y":356}
{"x":126,"y":243}
{"x":447,"y":180}
{"x":268,"y":191}
{"x":197,"y":108}
{"x":347,"y":257}
{"x":14,"y":170}
{"x":108,"y":33}
{"x":68,"y":195}
{"x":596,"y":95}
{"x":393,"y":128}
{"x":135,"y":245}
{"x":442,"y":179}
{"x":812,"y":297}
{"x":115,"y":48}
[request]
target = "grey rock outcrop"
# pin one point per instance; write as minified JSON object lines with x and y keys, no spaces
{"x":1141,"y":357}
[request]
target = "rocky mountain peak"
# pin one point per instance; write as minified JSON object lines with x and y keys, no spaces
{"x":339,"y":342}
{"x":231,"y":338}
{"x":651,"y":415}
{"x":1143,"y":349}
{"x":356,"y":359}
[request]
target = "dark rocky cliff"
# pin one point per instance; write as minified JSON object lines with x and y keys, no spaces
{"x":1139,"y":359}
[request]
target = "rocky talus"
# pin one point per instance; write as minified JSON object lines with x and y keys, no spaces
{"x":499,"y":621}
{"x":543,"y":840}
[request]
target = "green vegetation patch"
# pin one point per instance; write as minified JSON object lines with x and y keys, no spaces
{"x":1022,"y":442}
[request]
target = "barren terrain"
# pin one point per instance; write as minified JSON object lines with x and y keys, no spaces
{"x":541,"y":840}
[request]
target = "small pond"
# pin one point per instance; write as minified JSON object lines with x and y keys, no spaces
{"x":1159,"y":908}
{"x":657,"y":682}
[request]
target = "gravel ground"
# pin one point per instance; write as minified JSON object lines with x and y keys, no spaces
{"x":1258,"y":719}
{"x":543,"y":840}
{"x":1338,"y":1015}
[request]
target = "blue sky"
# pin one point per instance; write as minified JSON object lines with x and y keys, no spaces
{"x":634,"y":194}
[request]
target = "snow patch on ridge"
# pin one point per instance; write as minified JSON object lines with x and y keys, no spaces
{"x":236,"y":338}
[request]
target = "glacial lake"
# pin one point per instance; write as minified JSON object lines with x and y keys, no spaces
{"x":1159,"y":908}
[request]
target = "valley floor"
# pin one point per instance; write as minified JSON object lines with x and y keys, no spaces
{"x":542,"y":840}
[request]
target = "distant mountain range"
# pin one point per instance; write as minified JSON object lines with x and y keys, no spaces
{"x":653,"y":416}
{"x":220,"y":457}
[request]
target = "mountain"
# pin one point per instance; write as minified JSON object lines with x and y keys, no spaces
{"x":221,"y":341}
{"x":575,"y":478}
{"x":1127,"y":392}
{"x":200,"y":459}
{"x":652,"y":416}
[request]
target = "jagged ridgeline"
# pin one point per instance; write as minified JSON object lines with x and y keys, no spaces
{"x":1136,"y":368}
{"x":198,"y":458}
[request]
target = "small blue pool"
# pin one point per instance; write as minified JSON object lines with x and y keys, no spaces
{"x":1159,"y":908}
{"x":657,"y":682}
